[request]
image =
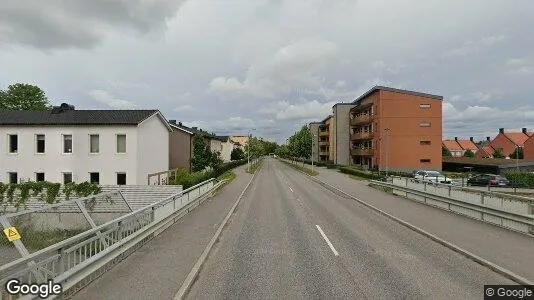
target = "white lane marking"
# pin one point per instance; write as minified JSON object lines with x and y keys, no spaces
{"x":291,"y":189}
{"x":327,"y":241}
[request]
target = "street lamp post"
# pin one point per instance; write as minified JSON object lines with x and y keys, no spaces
{"x":387,"y":149}
{"x":248,"y":144}
{"x":312,"y":143}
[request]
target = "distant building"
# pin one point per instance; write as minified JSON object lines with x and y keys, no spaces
{"x":458,"y":147}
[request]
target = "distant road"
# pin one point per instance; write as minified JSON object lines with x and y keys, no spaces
{"x":293,"y":239}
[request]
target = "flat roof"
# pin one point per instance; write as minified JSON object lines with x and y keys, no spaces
{"x":394,"y":90}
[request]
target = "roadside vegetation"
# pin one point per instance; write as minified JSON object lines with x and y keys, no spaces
{"x":301,"y":168}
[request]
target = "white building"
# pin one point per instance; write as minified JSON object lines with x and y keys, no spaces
{"x":63,"y":145}
{"x":227,"y":147}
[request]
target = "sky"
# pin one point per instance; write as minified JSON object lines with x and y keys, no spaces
{"x":231,"y":66}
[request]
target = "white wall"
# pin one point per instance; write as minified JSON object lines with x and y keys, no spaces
{"x":153,"y":148}
{"x":80,"y":162}
{"x":215,"y":145}
{"x":226,"y":153}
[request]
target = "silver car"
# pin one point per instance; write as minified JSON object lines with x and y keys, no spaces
{"x":431,"y":177}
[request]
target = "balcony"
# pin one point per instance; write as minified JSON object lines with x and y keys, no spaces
{"x":361,"y":136}
{"x":361,"y":119}
{"x":362,"y":151}
{"x":324,"y":143}
{"x":323,"y":153}
{"x":324,"y":133}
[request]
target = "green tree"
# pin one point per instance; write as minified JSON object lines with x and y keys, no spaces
{"x":202,"y":156}
{"x":300,"y":143}
{"x":237,"y":154}
{"x":469,"y":153}
{"x":498,"y":154}
{"x":518,"y":153}
{"x":22,"y":96}
{"x":445,"y":152}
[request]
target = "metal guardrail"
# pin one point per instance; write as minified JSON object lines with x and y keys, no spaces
{"x":74,"y":261}
{"x":487,"y":209}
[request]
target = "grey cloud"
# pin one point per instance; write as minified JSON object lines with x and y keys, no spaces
{"x":78,"y":23}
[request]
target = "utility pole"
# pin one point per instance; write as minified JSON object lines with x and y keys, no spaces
{"x":248,"y":144}
{"x":387,"y":149}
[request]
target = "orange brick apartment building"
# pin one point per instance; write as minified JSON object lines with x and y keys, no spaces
{"x":397,"y":130}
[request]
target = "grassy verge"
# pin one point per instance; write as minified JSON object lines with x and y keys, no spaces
{"x":302,"y":169}
{"x":37,"y":240}
{"x":356,"y":177}
{"x":382,"y":188}
{"x":255,"y":167}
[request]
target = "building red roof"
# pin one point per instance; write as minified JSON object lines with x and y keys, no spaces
{"x":468,"y":145}
{"x":518,"y":138}
{"x":452,"y":145}
{"x":487,"y":150}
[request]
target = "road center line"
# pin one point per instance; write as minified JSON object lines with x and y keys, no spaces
{"x":327,"y":241}
{"x":291,"y":189}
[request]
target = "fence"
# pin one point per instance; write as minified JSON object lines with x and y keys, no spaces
{"x":74,"y":261}
{"x":509,"y":211}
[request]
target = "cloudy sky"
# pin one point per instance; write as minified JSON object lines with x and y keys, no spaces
{"x":231,"y":65}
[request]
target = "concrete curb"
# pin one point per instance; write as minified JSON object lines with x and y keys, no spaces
{"x":500,"y":270}
{"x":191,"y":277}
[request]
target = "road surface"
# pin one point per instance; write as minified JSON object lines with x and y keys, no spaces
{"x":293,"y":239}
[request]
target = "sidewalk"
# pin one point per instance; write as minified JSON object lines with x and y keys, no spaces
{"x":505,"y":248}
{"x":158,"y":268}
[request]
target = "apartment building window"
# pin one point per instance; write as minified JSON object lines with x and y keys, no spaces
{"x":13,"y":143}
{"x":40,"y":143}
{"x":94,"y":143}
{"x":121,"y":178}
{"x":67,"y":177}
{"x":121,"y":143}
{"x":94,"y":177}
{"x":425,"y":124}
{"x":425,"y":161}
{"x":424,"y":106}
{"x":39,"y":176}
{"x":425,"y":143}
{"x":67,"y":143}
{"x":13,"y":177}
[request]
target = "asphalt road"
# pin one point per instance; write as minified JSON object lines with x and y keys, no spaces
{"x":292,"y":239}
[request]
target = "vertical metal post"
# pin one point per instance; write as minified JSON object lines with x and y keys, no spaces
{"x":387,"y":150}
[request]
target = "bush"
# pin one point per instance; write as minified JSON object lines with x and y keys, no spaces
{"x":521,"y":179}
{"x":360,"y":173}
{"x":187,"y":179}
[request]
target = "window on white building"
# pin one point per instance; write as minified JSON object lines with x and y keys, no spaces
{"x":121,"y":143}
{"x":121,"y":178}
{"x":13,"y":177}
{"x":94,"y":143}
{"x":94,"y":177}
{"x":67,"y":143}
{"x":13,"y":143}
{"x":40,"y":143}
{"x":39,"y":176}
{"x":67,"y":177}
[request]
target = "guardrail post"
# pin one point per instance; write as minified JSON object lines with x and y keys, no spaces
{"x":425,"y":185}
{"x":450,"y":189}
{"x":406,"y":181}
{"x":62,"y":259}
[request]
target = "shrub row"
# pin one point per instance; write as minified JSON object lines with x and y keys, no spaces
{"x":521,"y":179}
{"x":186,"y":179}
{"x":360,"y":173}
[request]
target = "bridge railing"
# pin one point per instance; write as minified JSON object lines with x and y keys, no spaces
{"x":509,"y":211}
{"x":84,"y":256}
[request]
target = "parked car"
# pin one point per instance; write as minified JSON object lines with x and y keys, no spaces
{"x":431,"y":177}
{"x":488,"y":179}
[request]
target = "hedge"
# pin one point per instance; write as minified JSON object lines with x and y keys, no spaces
{"x":186,"y":179}
{"x":360,"y":173}
{"x":521,"y":179}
